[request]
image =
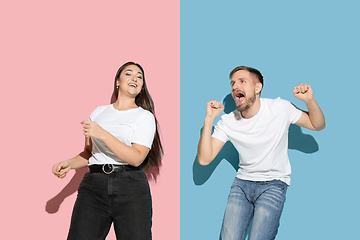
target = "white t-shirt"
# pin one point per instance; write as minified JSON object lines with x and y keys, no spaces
{"x":131,"y":126}
{"x":262,"y":141}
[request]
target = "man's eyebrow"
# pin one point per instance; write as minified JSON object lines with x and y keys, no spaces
{"x":240,"y":78}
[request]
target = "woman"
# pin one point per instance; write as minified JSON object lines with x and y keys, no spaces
{"x":121,"y":140}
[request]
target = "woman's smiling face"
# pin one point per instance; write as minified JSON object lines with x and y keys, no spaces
{"x":131,"y":80}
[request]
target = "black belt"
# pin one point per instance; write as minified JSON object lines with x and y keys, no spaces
{"x":109,"y":168}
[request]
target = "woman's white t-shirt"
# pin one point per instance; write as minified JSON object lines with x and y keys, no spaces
{"x":130,"y":126}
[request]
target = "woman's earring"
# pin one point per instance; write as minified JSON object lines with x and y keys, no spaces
{"x":117,"y":87}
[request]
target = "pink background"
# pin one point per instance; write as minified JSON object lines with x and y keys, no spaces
{"x":58,"y":61}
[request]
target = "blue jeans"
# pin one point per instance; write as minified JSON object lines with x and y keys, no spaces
{"x":261,"y":202}
{"x":122,"y":198}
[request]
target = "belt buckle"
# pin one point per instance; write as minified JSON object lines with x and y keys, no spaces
{"x":112,"y":168}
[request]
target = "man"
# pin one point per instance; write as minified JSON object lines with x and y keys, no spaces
{"x":258,"y":129}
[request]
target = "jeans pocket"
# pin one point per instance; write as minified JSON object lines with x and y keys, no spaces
{"x":137,"y":175}
{"x":283,"y":186}
{"x":279,"y":184}
{"x":87,"y":176}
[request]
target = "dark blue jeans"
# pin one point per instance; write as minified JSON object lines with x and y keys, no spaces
{"x":122,"y":198}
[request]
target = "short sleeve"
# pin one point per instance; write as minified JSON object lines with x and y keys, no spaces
{"x":293,"y":113}
{"x":93,"y":114}
{"x":145,"y":130}
{"x":219,"y":132}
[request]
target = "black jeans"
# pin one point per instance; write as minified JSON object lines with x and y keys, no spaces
{"x":120,"y":197}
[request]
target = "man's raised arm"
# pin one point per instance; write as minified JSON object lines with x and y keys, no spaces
{"x":209,"y":147}
{"x":314,"y":119}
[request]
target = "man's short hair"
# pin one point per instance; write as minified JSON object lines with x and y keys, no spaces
{"x":253,"y":71}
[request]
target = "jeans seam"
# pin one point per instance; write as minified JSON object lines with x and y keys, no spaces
{"x":247,"y":223}
{"x":275,"y":217}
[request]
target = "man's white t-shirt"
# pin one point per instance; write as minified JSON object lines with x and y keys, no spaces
{"x":131,"y":126}
{"x":261,"y":141}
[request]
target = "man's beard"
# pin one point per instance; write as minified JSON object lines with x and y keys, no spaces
{"x":248,"y":103}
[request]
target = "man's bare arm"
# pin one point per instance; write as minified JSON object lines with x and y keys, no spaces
{"x":208,"y":146}
{"x":314,"y":119}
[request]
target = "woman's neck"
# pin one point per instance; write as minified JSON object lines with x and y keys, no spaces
{"x":125,"y":103}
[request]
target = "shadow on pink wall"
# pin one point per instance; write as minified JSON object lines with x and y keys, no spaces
{"x":53,"y":205}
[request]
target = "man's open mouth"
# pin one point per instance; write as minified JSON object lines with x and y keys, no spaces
{"x":239,"y":97}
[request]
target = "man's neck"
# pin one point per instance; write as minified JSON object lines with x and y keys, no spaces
{"x":253,"y":110}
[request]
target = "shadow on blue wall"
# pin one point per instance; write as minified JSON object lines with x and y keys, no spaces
{"x":297,"y":141}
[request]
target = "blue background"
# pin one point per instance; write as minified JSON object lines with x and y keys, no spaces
{"x":315,"y":42}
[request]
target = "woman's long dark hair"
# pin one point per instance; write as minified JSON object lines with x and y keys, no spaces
{"x":144,"y":100}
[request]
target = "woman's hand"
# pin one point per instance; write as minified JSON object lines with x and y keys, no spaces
{"x":61,"y":169}
{"x":92,"y":129}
